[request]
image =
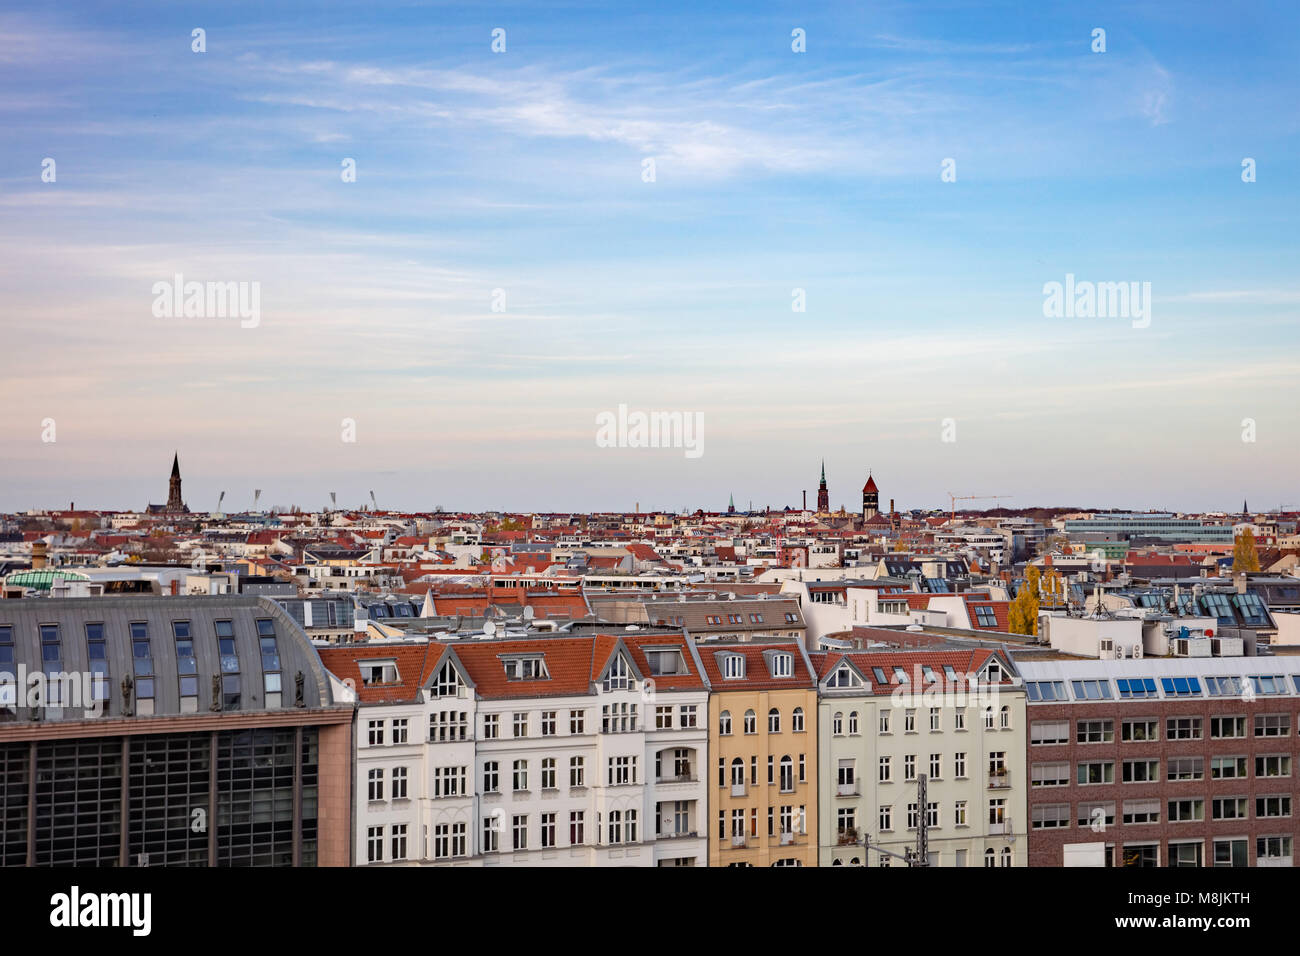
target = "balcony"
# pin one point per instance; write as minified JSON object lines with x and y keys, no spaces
{"x":999,"y":829}
{"x":737,"y":839}
{"x":737,"y":789}
{"x":999,"y":779}
{"x":787,"y":838}
{"x":847,"y":837}
{"x":686,"y":777}
{"x":846,"y":790}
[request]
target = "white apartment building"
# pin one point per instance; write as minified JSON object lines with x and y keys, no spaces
{"x":886,"y":719}
{"x":569,"y":751}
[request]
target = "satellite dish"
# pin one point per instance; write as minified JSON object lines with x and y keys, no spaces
{"x":529,"y":613}
{"x":489,"y":628}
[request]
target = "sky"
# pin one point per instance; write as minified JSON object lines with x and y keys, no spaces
{"x":446,"y":328}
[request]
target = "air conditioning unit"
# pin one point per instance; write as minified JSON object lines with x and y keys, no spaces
{"x":1137,"y":652}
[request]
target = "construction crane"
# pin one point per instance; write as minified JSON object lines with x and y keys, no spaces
{"x":957,"y":498}
{"x":374,"y":505}
{"x":219,"y":500}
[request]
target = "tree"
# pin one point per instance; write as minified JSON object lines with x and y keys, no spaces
{"x":1022,"y":616}
{"x":1245,"y":556}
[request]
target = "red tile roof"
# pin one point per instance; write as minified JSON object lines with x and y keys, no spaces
{"x":416,"y":664}
{"x":757,"y":676}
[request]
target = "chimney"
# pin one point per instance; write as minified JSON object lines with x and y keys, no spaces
{"x":805,"y":499}
{"x":39,"y":551}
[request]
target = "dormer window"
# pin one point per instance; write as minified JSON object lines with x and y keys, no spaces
{"x":378,"y":672}
{"x":844,"y":676}
{"x":900,"y":675}
{"x":733,"y":666}
{"x":781,"y":665}
{"x":618,"y":677}
{"x":448,"y":682}
{"x":995,"y":673}
{"x":527,"y":667}
{"x":665,"y":662}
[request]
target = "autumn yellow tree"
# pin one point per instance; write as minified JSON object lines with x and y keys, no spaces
{"x":1245,"y":556}
{"x":1023,"y":614}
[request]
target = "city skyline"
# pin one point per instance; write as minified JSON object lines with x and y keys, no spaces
{"x":776,"y":173}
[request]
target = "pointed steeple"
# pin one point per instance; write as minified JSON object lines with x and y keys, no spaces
{"x":823,"y":471}
{"x":176,"y":465}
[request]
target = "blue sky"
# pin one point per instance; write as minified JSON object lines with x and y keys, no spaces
{"x":522,"y":171}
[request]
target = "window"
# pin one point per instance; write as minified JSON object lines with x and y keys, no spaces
{"x":1097,"y":814}
{"x":548,"y":773}
{"x":1049,"y":732}
{"x":1230,"y":853}
{"x":526,"y":668}
{"x":1227,"y":768}
{"x":521,"y":725}
{"x":1228,"y":808}
{"x":491,"y":777}
{"x":913,"y":816}
{"x":1185,"y":854}
{"x":444,"y":725}
{"x":909,"y":721}
{"x":959,"y":813}
{"x":884,"y":769}
{"x":782,"y":665}
{"x":1141,"y":811}
{"x":853,"y":723}
{"x":886,"y":818}
{"x":142,"y":665}
{"x":1132,"y":688}
{"x":796,"y":721}
{"x":577,"y":721}
{"x":447,"y":683}
{"x":1141,"y":771}
{"x":399,"y":782}
{"x":375,"y":782}
{"x":1095,"y":732}
{"x":909,"y":767}
{"x":375,"y":732}
{"x":936,"y":721}
{"x":1091,"y":689}
{"x":491,"y":835}
{"x":936,"y":766}
{"x":733,"y":666}
{"x":1268,"y":685}
{"x":984,"y":616}
{"x":787,"y":775}
{"x":1143,"y":729}
{"x":751,"y":722}
{"x":576,"y":828}
{"x":988,"y":718}
{"x":491,"y":726}
{"x":884,"y":721}
{"x":1183,"y":811}
{"x":619,"y":675}
{"x":1272,"y":725}
{"x":1181,"y":686}
{"x":1049,"y":816}
{"x":1004,"y":718}
{"x":577,"y":772}
{"x":374,"y":844}
{"x":1183,"y":728}
{"x":959,"y":765}
{"x":1273,"y":806}
{"x":1050,"y":774}
{"x":1224,"y":686}
{"x":548,"y":723}
{"x":844,"y":676}
{"x":1222,"y":728}
{"x":773,"y":721}
{"x":1096,"y":772}
{"x":1186,"y":768}
{"x":520,"y":831}
{"x":520,"y":776}
{"x":622,"y":771}
{"x":1278,"y":765}
{"x":1048,"y":690}
{"x":548,"y":830}
{"x":1273,"y":848}
{"x":724,"y":723}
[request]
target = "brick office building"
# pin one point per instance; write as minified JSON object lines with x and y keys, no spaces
{"x":1162,"y":762}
